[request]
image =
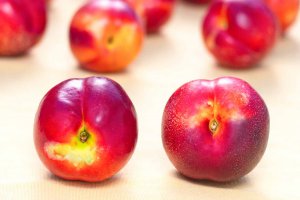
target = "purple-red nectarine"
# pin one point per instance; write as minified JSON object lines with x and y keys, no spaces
{"x":22,"y":24}
{"x":85,"y":129}
{"x":239,"y":33}
{"x":216,"y":130}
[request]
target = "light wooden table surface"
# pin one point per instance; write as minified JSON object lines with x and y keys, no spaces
{"x":168,"y":60}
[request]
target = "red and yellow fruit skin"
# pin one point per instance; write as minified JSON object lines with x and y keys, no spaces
{"x":99,"y":106}
{"x":22,"y":24}
{"x":227,"y":152}
{"x":285,"y":11}
{"x":239,"y":34}
{"x":106,"y":35}
{"x":154,"y":13}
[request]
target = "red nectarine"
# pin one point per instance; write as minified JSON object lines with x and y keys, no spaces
{"x":22,"y":24}
{"x":239,"y":33}
{"x":85,"y":129}
{"x":216,"y":130}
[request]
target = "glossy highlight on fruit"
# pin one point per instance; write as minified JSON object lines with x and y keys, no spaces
{"x":286,"y":11}
{"x":155,"y":13}
{"x":22,"y":24}
{"x":216,"y":130}
{"x":85,"y":129}
{"x":239,"y":33}
{"x":106,"y":35}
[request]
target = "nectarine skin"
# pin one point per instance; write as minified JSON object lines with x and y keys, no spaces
{"x":285,"y":11}
{"x":216,"y":130}
{"x":155,"y":13}
{"x":85,"y":129}
{"x":106,"y":35}
{"x":239,"y":33}
{"x":22,"y":24}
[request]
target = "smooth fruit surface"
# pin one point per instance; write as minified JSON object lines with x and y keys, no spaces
{"x":85,"y":129}
{"x":155,"y":13}
{"x":239,"y":33}
{"x":216,"y":130}
{"x":286,"y":11}
{"x":106,"y":35}
{"x":22,"y":24}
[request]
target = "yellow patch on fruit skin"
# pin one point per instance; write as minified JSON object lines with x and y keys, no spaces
{"x":213,"y":111}
{"x":122,"y":37}
{"x":210,"y":40}
{"x":203,"y":112}
{"x":77,"y":153}
{"x":222,"y":21}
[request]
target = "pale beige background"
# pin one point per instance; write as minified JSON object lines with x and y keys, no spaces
{"x":167,"y":61}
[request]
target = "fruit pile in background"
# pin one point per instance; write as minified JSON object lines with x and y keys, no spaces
{"x":107,"y":35}
{"x":216,"y":130}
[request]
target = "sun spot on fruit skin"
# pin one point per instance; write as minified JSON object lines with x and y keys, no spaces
{"x":97,"y":25}
{"x":78,"y":157}
{"x":211,"y":40}
{"x":213,"y":110}
{"x":203,"y":112}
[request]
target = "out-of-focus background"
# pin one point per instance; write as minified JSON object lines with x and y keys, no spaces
{"x":169,"y":59}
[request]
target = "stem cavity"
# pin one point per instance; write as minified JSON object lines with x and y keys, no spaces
{"x":84,"y":136}
{"x":213,"y":126}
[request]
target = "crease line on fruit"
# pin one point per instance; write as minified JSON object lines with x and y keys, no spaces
{"x":213,"y":123}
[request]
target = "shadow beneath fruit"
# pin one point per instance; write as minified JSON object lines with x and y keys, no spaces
{"x":192,"y":4}
{"x":13,"y":60}
{"x":242,"y":182}
{"x":90,"y":72}
{"x":229,"y":68}
{"x":81,"y":184}
{"x":193,"y":7}
{"x":19,"y":55}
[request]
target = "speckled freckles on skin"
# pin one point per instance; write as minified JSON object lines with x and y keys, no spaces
{"x":226,"y":106}
{"x":10,"y":46}
{"x":216,"y":129}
